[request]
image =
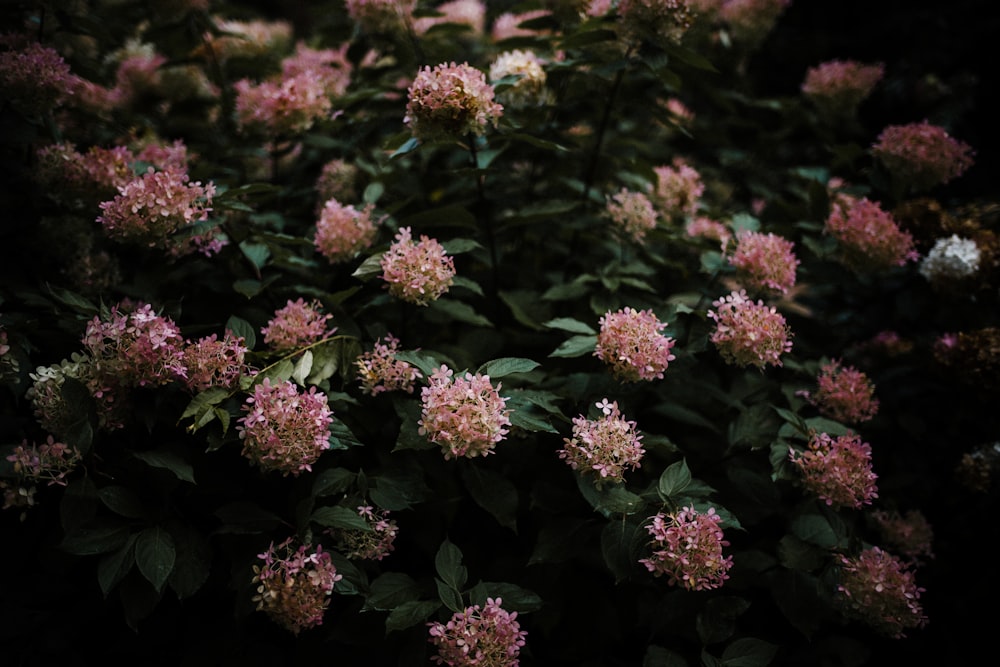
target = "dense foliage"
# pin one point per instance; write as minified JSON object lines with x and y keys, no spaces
{"x":651,"y":332}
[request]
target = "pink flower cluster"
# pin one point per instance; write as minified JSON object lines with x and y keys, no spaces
{"x":838,"y":470}
{"x":466,"y":416}
{"x":608,"y":446}
{"x":766,"y":262}
{"x":879,"y":589}
{"x":34,"y":78}
{"x":49,"y":403}
{"x":688,"y":549}
{"x":297,"y":324}
{"x":654,"y":19}
{"x":343,"y":231}
{"x":329,"y":66}
{"x":841,"y":85}
{"x":338,"y":179}
{"x":471,"y":13}
{"x":748,"y":333}
{"x":508,"y":24}
{"x":529,"y":89}
{"x":294,"y":585}
{"x":869,"y":236}
{"x":417,"y":271}
{"x":704,"y":227}
{"x":488,"y":636}
{"x":630,"y":343}
{"x":135,"y":346}
{"x":151,"y":209}
{"x":632,"y":214}
{"x":909,"y":534}
{"x":450,"y":101}
{"x":381,"y":15}
{"x":678,"y":189}
{"x":289,"y":106}
{"x":921,"y":154}
{"x":750,"y":21}
{"x":285,"y":429}
{"x":379,"y":370}
{"x":844,"y":393}
{"x":211,"y":362}
{"x":50,"y":461}
{"x":375,"y":543}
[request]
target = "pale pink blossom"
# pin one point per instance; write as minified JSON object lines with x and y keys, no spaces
{"x":487,"y":636}
{"x":909,"y":534}
{"x":529,"y":89}
{"x":679,"y":112}
{"x":450,"y":101}
{"x":330,"y":67}
{"x":837,"y":470}
{"x":880,"y":590}
{"x":655,"y":19}
{"x":49,"y":462}
{"x":466,"y":416}
{"x":471,"y":13}
{"x":630,"y":342}
{"x":750,"y":21}
{"x":211,"y":362}
{"x":379,"y":16}
{"x":765,"y":262}
{"x":294,"y":585}
{"x":417,"y":271}
{"x":284,"y":429}
{"x":56,"y":415}
{"x":34,"y":79}
{"x":234,"y":38}
{"x":868,"y":235}
{"x":297,"y":324}
{"x":748,"y":333}
{"x":632,"y":213}
{"x":845,"y":394}
{"x":922,"y":155}
{"x":508,"y":24}
{"x":704,"y":227}
{"x":687,"y":548}
{"x":379,"y":370}
{"x":841,"y":85}
{"x":289,"y":106}
{"x":678,"y":189}
{"x":136,"y":346}
{"x":138,"y":73}
{"x":605,"y":447}
{"x":373,"y":544}
{"x":343,"y":231}
{"x":338,"y":179}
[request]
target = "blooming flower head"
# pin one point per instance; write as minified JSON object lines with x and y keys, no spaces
{"x":765,"y":262}
{"x":678,"y":189}
{"x":289,"y":106}
{"x":704,"y":227}
{"x":471,"y":13}
{"x":138,"y":72}
{"x":211,"y":362}
{"x":450,"y":101}
{"x":748,"y":333}
{"x":466,"y":416}
{"x":49,"y":403}
{"x":381,"y":15}
{"x":285,"y":429}
{"x":150,"y":209}
{"x":687,"y":547}
{"x":329,"y":66}
{"x":841,"y":85}
{"x":838,"y":470}
{"x":654,"y":19}
{"x":417,"y":271}
{"x":877,"y":588}
{"x":34,"y":78}
{"x":297,"y":324}
{"x":868,"y":235}
{"x":338,"y":179}
{"x":951,"y":259}
{"x":379,"y":370}
{"x":529,"y":89}
{"x":922,"y":155}
{"x":294,"y":585}
{"x":488,"y":636}
{"x":508,"y":24}
{"x":607,"y":446}
{"x":632,"y":214}
{"x":845,"y":394}
{"x":908,"y":534}
{"x":343,"y":231}
{"x":750,"y":21}
{"x":50,"y":462}
{"x":136,"y":345}
{"x":376,"y":542}
{"x":630,"y":343}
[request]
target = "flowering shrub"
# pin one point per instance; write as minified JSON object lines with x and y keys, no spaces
{"x":577,"y":334}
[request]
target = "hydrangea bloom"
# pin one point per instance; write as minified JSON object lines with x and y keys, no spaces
{"x":951,"y":258}
{"x":343,"y":231}
{"x":678,"y":189}
{"x":286,"y":107}
{"x":34,"y":79}
{"x":466,"y":416}
{"x":294,"y":585}
{"x":909,"y":534}
{"x":381,"y":15}
{"x":329,"y":66}
{"x":766,"y":262}
{"x":211,"y":362}
{"x":50,"y":461}
{"x":845,"y":394}
{"x":529,"y":89}
{"x":379,"y":370}
{"x":750,"y":21}
{"x":136,"y":346}
{"x":285,"y":429}
{"x":748,"y":333}
{"x":687,"y":547}
{"x":838,"y":470}
{"x":450,"y":101}
{"x":922,"y":155}
{"x":632,"y":214}
{"x":868,"y":235}
{"x":841,"y":85}
{"x":297,"y":324}
{"x":49,"y":403}
{"x":630,"y":343}
{"x":373,"y":544}
{"x":654,"y":19}
{"x":471,"y":13}
{"x":879,"y":589}
{"x":417,"y":271}
{"x":704,"y":227}
{"x":489,"y":636}
{"x":150,"y":209}
{"x":608,"y":446}
{"x":508,"y":24}
{"x":337,"y":179}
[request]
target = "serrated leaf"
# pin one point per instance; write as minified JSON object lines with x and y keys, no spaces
{"x":96,"y":540}
{"x":515,"y":598}
{"x":303,"y":367}
{"x":460,"y":311}
{"x":410,"y":613}
{"x":571,"y":325}
{"x":155,"y":555}
{"x":576,"y":346}
{"x":332,"y":481}
{"x":389,"y":590}
{"x":451,"y":598}
{"x":674,"y":479}
{"x":448,"y":564}
{"x":370,"y":267}
{"x":340,"y":517}
{"x":168,"y":460}
{"x":498,"y":368}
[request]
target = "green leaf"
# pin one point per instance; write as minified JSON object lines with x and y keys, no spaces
{"x":122,"y":501}
{"x":168,"y":460}
{"x":617,"y":541}
{"x":571,"y":325}
{"x":682,"y":413}
{"x":674,"y":479}
{"x":193,"y":560}
{"x":204,"y":401}
{"x":155,"y":555}
{"x":246,"y":517}
{"x":257,"y":253}
{"x":332,"y":481}
{"x":451,"y":598}
{"x":73,"y":300}
{"x":390,"y":590}
{"x":451,"y":215}
{"x":514,"y":597}
{"x":303,"y":367}
{"x":657,"y":656}
{"x":815,"y":529}
{"x":609,"y":500}
{"x":243,"y":329}
{"x":749,"y":652}
{"x":113,"y":566}
{"x":410,"y":613}
{"x":408,"y":146}
{"x":340,"y":517}
{"x":457,"y":246}
{"x":448,"y":564}
{"x":498,"y":368}
{"x":460,"y":311}
{"x":576,"y":346}
{"x":370,"y":267}
{"x":494,"y":493}
{"x":96,"y":540}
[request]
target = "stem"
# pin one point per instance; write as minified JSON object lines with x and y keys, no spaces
{"x":482,"y":216}
{"x":602,"y":128}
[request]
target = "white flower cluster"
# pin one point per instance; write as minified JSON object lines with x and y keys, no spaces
{"x":951,"y":258}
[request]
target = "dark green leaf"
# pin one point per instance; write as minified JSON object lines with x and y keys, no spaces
{"x":498,"y":368}
{"x":571,"y":325}
{"x":513,"y":597}
{"x":332,"y":481}
{"x":155,"y":555}
{"x":410,"y":613}
{"x":451,"y":598}
{"x":390,"y":590}
{"x":448,"y":564}
{"x":122,"y":501}
{"x":460,"y":312}
{"x":674,"y":479}
{"x":93,"y":541}
{"x":168,"y":460}
{"x":113,"y":566}
{"x":340,"y":517}
{"x":193,"y":560}
{"x":494,"y":493}
{"x":576,"y":346}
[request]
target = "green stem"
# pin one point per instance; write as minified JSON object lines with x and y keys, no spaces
{"x":483,"y":218}
{"x":602,"y":128}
